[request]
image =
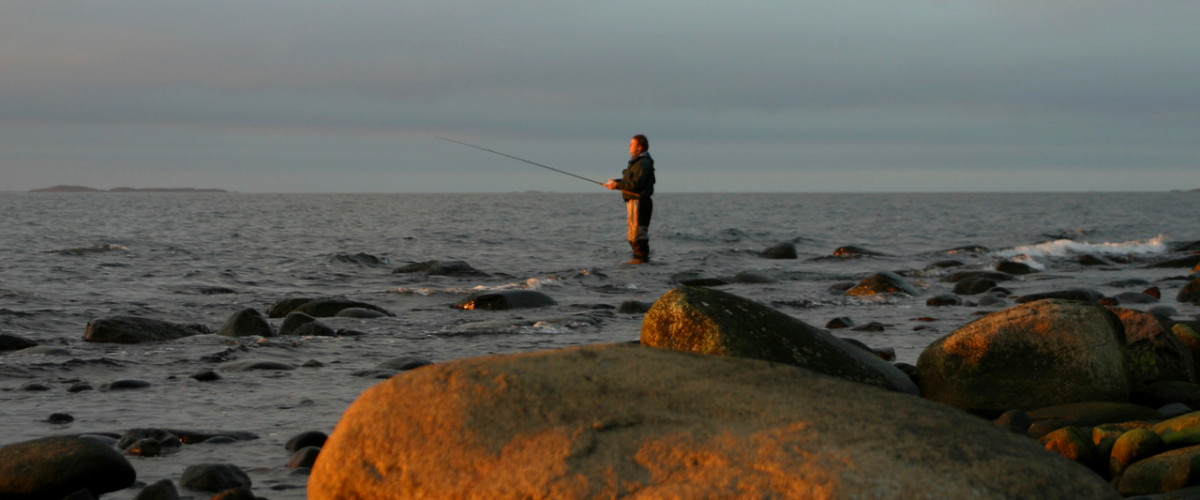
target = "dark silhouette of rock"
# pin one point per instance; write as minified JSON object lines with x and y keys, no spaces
{"x":54,"y":467}
{"x":987,"y":275}
{"x":1079,"y":294}
{"x":439,"y":268}
{"x":246,"y":323}
{"x":973,"y":286}
{"x":133,"y":330}
{"x":883,"y":282}
{"x":1189,"y":293}
{"x":783,"y":250}
{"x":164,"y":489}
{"x":9,"y":342}
{"x":1014,"y":268}
{"x":213,"y":477}
{"x":505,"y":299}
{"x":306,"y":439}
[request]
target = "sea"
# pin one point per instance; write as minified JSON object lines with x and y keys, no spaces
{"x":198,"y":258}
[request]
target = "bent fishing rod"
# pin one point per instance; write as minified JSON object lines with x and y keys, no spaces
{"x":481,"y":148}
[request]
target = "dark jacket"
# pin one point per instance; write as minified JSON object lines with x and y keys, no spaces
{"x":638,"y":177}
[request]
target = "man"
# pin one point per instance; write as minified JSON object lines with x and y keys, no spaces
{"x":637,"y":186}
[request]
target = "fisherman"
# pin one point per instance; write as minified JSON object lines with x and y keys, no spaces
{"x":637,"y":186}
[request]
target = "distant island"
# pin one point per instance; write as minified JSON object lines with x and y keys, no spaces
{"x":83,"y":189}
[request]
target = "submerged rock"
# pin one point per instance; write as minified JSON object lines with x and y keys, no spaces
{"x":1035,"y":355}
{"x":623,"y":421}
{"x":707,"y":321}
{"x":361,"y":259}
{"x":213,"y":477}
{"x":505,"y":299}
{"x":439,"y":268}
{"x":9,"y":342}
{"x":246,"y":323}
{"x":986,"y":275}
{"x":133,"y":330}
{"x":330,"y":307}
{"x":783,"y":250}
{"x":1015,"y":268}
{"x":851,"y":251}
{"x":1189,"y":293}
{"x":1078,"y":294}
{"x":882,"y":282}
{"x":55,"y":467}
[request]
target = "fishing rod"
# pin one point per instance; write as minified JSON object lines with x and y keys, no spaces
{"x":481,"y":148}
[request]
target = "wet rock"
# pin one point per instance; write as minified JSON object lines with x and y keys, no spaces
{"x":213,"y":477}
{"x":252,"y":365}
{"x":239,"y":493}
{"x":206,"y":375}
{"x":1153,"y":352}
{"x":133,"y":330}
{"x":163,"y":489}
{"x":1070,"y":442}
{"x":80,"y":387}
{"x":1034,"y":355}
{"x":9,"y":342}
{"x":1093,"y":413}
{"x":1188,"y":261}
{"x":55,"y":467}
{"x":707,"y":321}
{"x":1189,"y":293}
{"x":1016,"y":421}
{"x":505,"y":299}
{"x":752,"y":277}
{"x":34,"y":387}
{"x":305,"y":440}
{"x":883,"y":282}
{"x":943,"y":264}
{"x":851,"y":252}
{"x":124,"y":384}
{"x":246,"y":323}
{"x":784,"y":250}
{"x":145,"y":448}
{"x":1134,"y":298}
{"x":1088,"y":259}
{"x":60,"y":418}
{"x":973,"y":286}
{"x":1014,"y":268}
{"x":623,"y":421}
{"x":360,"y":313}
{"x":873,"y":326}
{"x":991,"y":300}
{"x":404,"y":363}
{"x":295,"y":321}
{"x":360,"y":259}
{"x":439,"y":268}
{"x":304,"y":457}
{"x":329,"y":307}
{"x":1078,"y":294}
{"x":1183,"y":430}
{"x":839,"y":323}
{"x":985,"y":275}
{"x":634,"y":307}
{"x":283,"y":307}
{"x":944,"y":300}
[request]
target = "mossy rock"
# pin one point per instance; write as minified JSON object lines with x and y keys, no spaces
{"x":1133,"y":446}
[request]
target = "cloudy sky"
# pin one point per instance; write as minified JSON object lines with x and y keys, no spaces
{"x":806,"y":96}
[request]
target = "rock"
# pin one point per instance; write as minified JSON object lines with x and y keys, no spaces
{"x":634,"y":307}
{"x":34,"y":386}
{"x":784,"y":250}
{"x":839,"y":323}
{"x":873,"y":326}
{"x":304,"y":457}
{"x":182,"y":436}
{"x":360,"y":313}
{"x":318,"y":329}
{"x":969,"y":249}
{"x":707,"y":321}
{"x":942,"y":264}
{"x":1093,"y":413}
{"x":239,"y":493}
{"x":1014,"y":420}
{"x":944,"y":300}
{"x":1088,"y":259}
{"x":624,"y":421}
{"x":206,"y":375}
{"x":1189,"y":293}
{"x":133,"y":330}
{"x":162,"y":490}
{"x":694,"y":278}
{"x":1166,"y":392}
{"x":984,"y":275}
{"x":1153,"y":352}
{"x":361,"y":259}
{"x":1188,"y":261}
{"x":1131,"y":447}
{"x":1015,"y":268}
{"x":295,"y":321}
{"x":60,"y":418}
{"x":752,"y":277}
{"x":54,"y":467}
{"x":1134,"y":298}
{"x":438,"y":268}
{"x":255,"y":364}
{"x":329,"y":307}
{"x":1190,"y":338}
{"x":973,"y":286}
{"x":882,"y":282}
{"x":404,"y":363}
{"x":851,"y":252}
{"x":246,"y":323}
{"x":992,"y":300}
{"x":283,"y":307}
{"x":145,"y":448}
{"x":1035,"y":355}
{"x":306,"y":439}
{"x":9,"y":342}
{"x":1183,"y":430}
{"x":124,"y":384}
{"x":213,"y":477}
{"x":1161,"y":473}
{"x":1072,"y":443}
{"x":1078,"y":294}
{"x":505,"y":299}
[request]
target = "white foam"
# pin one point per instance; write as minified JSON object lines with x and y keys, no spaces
{"x":1065,"y":248}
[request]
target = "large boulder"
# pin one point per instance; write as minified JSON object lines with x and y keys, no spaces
{"x":245,"y":323}
{"x":626,"y":421}
{"x":707,"y":321}
{"x":54,"y":467}
{"x":1153,"y":352}
{"x":1189,"y":293}
{"x":883,"y":282}
{"x":133,"y":330}
{"x":1039,"y":354}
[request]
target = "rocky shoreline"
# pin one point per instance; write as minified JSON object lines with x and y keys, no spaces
{"x":1067,"y":394}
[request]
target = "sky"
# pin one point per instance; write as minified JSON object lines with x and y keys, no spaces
{"x":753,"y":96}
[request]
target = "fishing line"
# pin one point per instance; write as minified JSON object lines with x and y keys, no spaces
{"x":521,"y":160}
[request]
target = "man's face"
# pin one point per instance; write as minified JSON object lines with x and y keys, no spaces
{"x":634,"y":147}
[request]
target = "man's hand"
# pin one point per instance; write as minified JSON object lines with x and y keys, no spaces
{"x":611,"y":184}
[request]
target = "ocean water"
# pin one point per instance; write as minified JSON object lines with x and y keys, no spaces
{"x":198,"y":258}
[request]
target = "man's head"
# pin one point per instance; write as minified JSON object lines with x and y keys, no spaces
{"x":638,"y":144}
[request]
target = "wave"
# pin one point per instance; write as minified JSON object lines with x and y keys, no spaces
{"x":1066,"y":248}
